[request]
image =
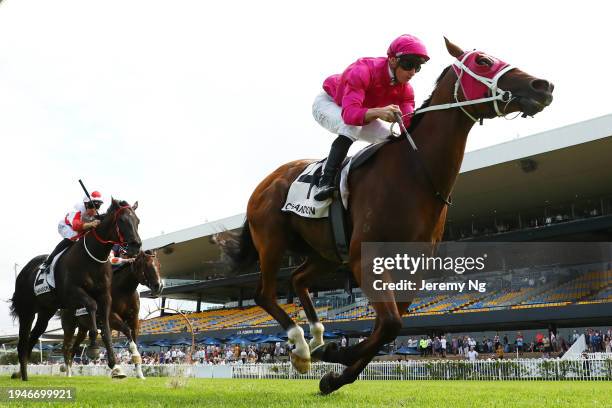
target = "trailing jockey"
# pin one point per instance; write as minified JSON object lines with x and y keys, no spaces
{"x":118,"y":257}
{"x":76,"y":223}
{"x":369,"y":91}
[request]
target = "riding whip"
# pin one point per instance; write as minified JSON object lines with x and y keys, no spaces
{"x":87,"y":194}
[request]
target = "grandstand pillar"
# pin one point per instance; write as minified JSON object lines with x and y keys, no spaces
{"x":240,"y":296}
{"x":290,"y":295}
{"x":163,"y":305}
{"x":348,"y":286}
{"x":199,"y":304}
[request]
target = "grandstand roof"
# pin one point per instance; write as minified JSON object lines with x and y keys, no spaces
{"x":555,"y":166}
{"x":535,"y":171}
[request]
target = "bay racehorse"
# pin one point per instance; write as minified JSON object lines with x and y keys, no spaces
{"x":82,"y":279}
{"x":399,"y":195}
{"x":144,"y":270}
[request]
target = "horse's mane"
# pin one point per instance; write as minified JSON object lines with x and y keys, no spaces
{"x":115,"y":205}
{"x":416,"y":119}
{"x":121,"y":267}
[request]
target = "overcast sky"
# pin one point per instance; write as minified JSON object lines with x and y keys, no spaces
{"x":187,"y":105}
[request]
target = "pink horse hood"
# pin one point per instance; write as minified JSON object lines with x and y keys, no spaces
{"x":473,"y":89}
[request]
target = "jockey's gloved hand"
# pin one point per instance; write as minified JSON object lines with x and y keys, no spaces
{"x":93,"y":224}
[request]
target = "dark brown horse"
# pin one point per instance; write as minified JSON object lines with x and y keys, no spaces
{"x":395,"y":197}
{"x":144,"y":270}
{"x":82,"y":279}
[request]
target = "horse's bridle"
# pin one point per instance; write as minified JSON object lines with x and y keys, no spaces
{"x":497,"y":94}
{"x":103,"y":241}
{"x":143,"y":275}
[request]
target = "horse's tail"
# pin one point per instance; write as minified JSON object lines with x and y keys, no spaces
{"x":23,"y":300}
{"x":238,"y":248}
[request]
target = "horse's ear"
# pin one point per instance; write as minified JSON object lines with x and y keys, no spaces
{"x":453,"y":50}
{"x":135,"y":206}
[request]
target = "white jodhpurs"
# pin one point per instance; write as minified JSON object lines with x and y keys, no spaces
{"x":65,"y":230}
{"x":329,"y":115}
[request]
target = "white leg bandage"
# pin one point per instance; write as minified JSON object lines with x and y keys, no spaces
{"x":296,"y":337}
{"x":316,"y":331}
{"x":136,"y":359}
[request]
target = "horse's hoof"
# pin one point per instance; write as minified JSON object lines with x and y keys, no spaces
{"x":327,"y":385}
{"x":93,"y":353}
{"x":118,"y":373}
{"x":319,"y":353}
{"x":314,"y":345}
{"x":301,"y":365}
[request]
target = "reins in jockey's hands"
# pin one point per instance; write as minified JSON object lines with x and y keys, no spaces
{"x":115,"y":260}
{"x":91,"y":225}
{"x":387,"y":113}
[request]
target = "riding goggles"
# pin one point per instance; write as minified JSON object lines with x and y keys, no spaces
{"x":93,"y":204}
{"x":410,"y":62}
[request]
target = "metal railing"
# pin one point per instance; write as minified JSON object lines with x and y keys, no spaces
{"x":515,"y":370}
{"x":593,"y":369}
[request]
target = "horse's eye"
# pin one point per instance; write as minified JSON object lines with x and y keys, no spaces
{"x":482,"y":60}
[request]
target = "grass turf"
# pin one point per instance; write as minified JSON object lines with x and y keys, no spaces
{"x":164,"y":392}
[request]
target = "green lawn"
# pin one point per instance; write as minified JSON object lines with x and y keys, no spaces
{"x":160,"y":392}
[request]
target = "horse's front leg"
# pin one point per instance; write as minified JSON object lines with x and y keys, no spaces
{"x":104,"y":303}
{"x":118,"y":323}
{"x":387,"y":327}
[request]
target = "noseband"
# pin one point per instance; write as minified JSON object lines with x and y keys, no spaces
{"x":141,"y":275}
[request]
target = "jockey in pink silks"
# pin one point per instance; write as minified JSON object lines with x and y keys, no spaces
{"x":371,"y":90}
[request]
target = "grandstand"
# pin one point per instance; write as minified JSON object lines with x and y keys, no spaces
{"x":554,"y":186}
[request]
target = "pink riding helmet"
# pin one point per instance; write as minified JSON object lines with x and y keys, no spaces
{"x":407,"y":44}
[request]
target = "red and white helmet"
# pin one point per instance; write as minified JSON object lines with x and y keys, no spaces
{"x":96,"y":198}
{"x":407,"y":44}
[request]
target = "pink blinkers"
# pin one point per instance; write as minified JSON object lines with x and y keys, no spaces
{"x":472,"y":88}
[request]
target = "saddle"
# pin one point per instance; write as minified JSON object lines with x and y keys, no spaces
{"x":300,"y":198}
{"x":45,"y":279}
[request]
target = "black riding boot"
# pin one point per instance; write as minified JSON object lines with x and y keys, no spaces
{"x":64,"y":243}
{"x":337,"y":154}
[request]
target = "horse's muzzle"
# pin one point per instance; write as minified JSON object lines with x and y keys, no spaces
{"x":133,"y":248}
{"x":532,"y":105}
